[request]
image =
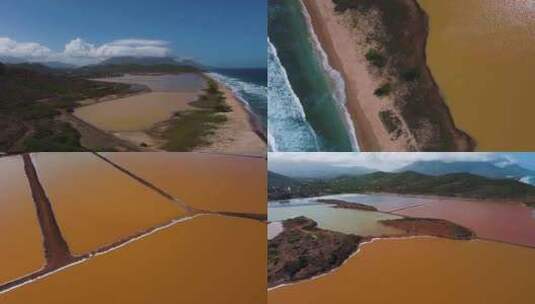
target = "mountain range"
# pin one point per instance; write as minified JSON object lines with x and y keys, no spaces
{"x":408,"y":182}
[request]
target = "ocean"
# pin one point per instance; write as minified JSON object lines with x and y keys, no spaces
{"x":250,"y":86}
{"x":310,"y":85}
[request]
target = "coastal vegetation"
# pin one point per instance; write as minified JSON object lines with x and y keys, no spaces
{"x":383,"y":90}
{"x":395,"y":34}
{"x":190,"y":129}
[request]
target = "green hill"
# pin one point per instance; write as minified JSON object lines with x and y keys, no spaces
{"x":458,"y":184}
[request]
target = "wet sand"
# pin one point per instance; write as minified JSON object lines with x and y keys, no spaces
{"x":214,"y":182}
{"x":95,"y":204}
{"x":509,"y":222}
{"x":481,"y":55}
{"x":21,"y":242}
{"x":209,"y":259}
{"x":422,"y":270}
{"x":362,"y":104}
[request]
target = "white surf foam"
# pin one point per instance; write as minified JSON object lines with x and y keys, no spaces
{"x":336,"y":79}
{"x":288,"y":128}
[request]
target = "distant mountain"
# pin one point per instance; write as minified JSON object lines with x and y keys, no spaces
{"x":455,"y":185}
{"x":59,"y":65}
{"x":486,"y":169}
{"x":11,"y":60}
{"x":139,"y":60}
{"x":279,"y":180}
{"x":315,"y":170}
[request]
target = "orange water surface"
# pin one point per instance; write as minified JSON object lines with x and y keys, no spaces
{"x":95,"y":204}
{"x":207,"y":181}
{"x":210,"y":259}
{"x":21,"y":244}
{"x":423,"y":270}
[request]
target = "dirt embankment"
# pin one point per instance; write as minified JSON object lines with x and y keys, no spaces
{"x":379,"y":47}
{"x":302,"y":251}
{"x":347,"y":205}
{"x":56,"y":249}
{"x":431,"y":227}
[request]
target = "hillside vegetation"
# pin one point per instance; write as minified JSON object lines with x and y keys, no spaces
{"x":458,"y":184}
{"x":32,"y":96}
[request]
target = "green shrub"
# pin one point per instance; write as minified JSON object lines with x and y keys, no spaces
{"x":410,"y":74}
{"x":376,"y":58}
{"x":383,"y":90}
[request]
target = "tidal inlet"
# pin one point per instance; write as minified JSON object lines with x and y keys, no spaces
{"x":402,"y":75}
{"x":345,"y":227}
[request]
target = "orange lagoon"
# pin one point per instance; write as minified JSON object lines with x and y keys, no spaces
{"x":422,"y":270}
{"x":21,"y":242}
{"x":481,"y":55}
{"x":206,"y":181}
{"x":95,"y":204}
{"x":209,"y":259}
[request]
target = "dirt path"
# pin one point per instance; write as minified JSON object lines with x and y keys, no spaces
{"x":95,"y":139}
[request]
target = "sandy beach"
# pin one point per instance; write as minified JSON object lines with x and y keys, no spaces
{"x":346,"y":44}
{"x":362,"y":104}
{"x":239,"y":134}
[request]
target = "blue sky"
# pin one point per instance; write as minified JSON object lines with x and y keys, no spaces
{"x":219,"y":33}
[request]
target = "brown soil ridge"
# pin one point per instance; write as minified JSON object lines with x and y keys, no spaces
{"x":189,"y":209}
{"x":57,"y":251}
{"x":430,"y":227}
{"x":302,"y":250}
{"x":347,"y":205}
{"x":417,"y":118}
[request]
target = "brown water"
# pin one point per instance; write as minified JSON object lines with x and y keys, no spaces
{"x":207,"y":181}
{"x":20,"y":242}
{"x":481,"y":54}
{"x":508,"y":222}
{"x":134,"y":113}
{"x":423,"y":271}
{"x":363,"y":223}
{"x":96,"y":204}
{"x":210,"y":259}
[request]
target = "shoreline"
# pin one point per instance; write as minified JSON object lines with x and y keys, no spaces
{"x":336,"y":78}
{"x":234,"y":136}
{"x":241,"y":133}
{"x":367,"y":141}
{"x":393,"y":122}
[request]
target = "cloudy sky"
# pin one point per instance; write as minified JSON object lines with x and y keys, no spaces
{"x":390,"y":161}
{"x":217,"y":33}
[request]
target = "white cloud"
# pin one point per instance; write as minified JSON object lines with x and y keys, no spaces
{"x":78,"y":51}
{"x":126,"y":47}
{"x":385,"y":160}
{"x":27,"y":50}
